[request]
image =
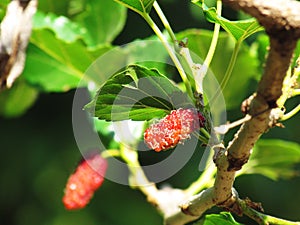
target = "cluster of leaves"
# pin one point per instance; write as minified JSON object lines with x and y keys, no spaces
{"x":68,"y":37}
{"x":249,"y":60}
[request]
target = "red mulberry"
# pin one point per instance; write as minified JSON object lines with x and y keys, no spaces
{"x":173,"y":129}
{"x":82,"y":184}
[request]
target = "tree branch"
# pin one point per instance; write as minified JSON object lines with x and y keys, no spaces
{"x":281,"y":20}
{"x":283,"y":39}
{"x":255,"y":212}
{"x":276,"y":16}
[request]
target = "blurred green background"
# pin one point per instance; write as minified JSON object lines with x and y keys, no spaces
{"x":38,"y":153}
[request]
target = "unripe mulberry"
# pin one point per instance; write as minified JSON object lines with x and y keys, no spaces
{"x":173,"y":129}
{"x":82,"y":184}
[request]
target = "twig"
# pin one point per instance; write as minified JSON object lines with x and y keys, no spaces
{"x":282,"y":23}
{"x":213,"y":43}
{"x":223,"y":129}
{"x":246,"y":207}
{"x":296,"y":92}
{"x":199,"y":71}
{"x":164,"y":21}
{"x":170,"y":51}
{"x":291,"y":113}
{"x":283,"y":42}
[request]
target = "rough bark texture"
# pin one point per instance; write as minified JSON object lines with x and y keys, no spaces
{"x":281,"y":20}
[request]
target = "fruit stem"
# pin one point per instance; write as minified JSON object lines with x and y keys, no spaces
{"x":164,"y":20}
{"x":213,"y":43}
{"x":110,"y":153}
{"x":171,"y":53}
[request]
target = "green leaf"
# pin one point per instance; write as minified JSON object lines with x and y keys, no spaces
{"x":57,"y":57}
{"x":102,"y":21}
{"x":95,"y":23}
{"x":145,"y":53}
{"x":240,"y":29}
{"x":63,"y":28}
{"x":139,"y":6}
{"x":224,"y":218}
{"x":15,"y":101}
{"x":47,"y":73}
{"x":3,"y":6}
{"x":57,"y":7}
{"x":274,"y":159}
{"x":141,"y":52}
{"x":59,"y":72}
{"x":137,"y":93}
{"x":244,"y":72}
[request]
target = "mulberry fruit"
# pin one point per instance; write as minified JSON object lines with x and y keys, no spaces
{"x":173,"y":129}
{"x":82,"y":184}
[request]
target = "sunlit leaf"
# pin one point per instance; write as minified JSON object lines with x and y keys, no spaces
{"x":47,"y":73}
{"x":63,"y":28}
{"x":139,"y":6}
{"x":240,"y":29}
{"x":224,"y":218}
{"x":54,"y":71}
{"x":274,"y":159}
{"x":57,"y":56}
{"x":137,"y":93}
{"x":149,"y":53}
{"x":102,"y":21}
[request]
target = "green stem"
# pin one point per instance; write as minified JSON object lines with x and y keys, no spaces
{"x":231,"y":64}
{"x":206,"y":134}
{"x":137,"y":177}
{"x":213,"y":43}
{"x":172,"y":36}
{"x":286,"y":88}
{"x":184,"y":51}
{"x":110,"y":153}
{"x":296,"y":92}
{"x":193,"y":67}
{"x":262,"y":218}
{"x":130,"y":156}
{"x":271,"y":220}
{"x":204,"y":140}
{"x":291,"y":113}
{"x":201,"y":72}
{"x":277,"y":221}
{"x":229,"y":69}
{"x":164,"y":21}
{"x":171,"y":53}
